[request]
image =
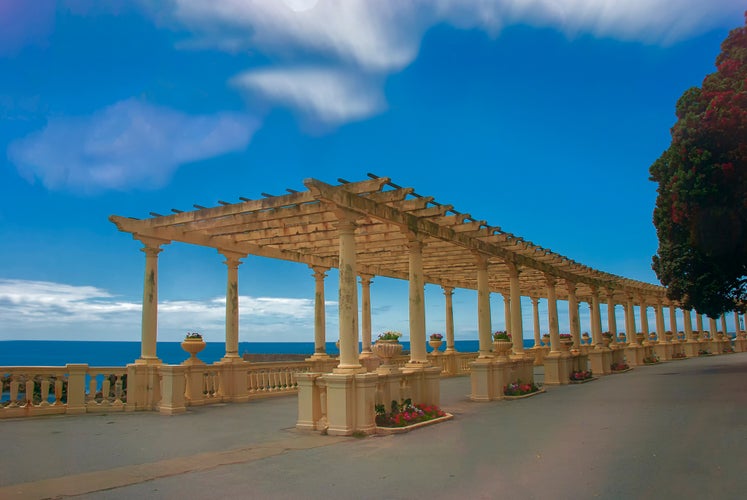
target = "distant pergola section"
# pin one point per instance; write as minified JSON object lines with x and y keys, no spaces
{"x":377,"y":228}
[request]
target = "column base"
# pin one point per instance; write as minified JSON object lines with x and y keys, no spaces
{"x":231,"y":358}
{"x":148,"y":361}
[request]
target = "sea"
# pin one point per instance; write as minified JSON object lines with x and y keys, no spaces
{"x":115,"y":353}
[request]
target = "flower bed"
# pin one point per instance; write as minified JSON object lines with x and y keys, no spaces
{"x":406,"y":414}
{"x":581,"y":376}
{"x":651,"y":360}
{"x":728,"y":350}
{"x":679,"y":355}
{"x":704,"y":352}
{"x":519,"y":390}
{"x":619,"y":367}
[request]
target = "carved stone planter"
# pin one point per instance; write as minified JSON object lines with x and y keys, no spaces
{"x":193,"y":346}
{"x":386,"y":350}
{"x":502,"y":347}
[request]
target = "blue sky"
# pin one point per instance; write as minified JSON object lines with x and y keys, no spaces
{"x":539,"y":116}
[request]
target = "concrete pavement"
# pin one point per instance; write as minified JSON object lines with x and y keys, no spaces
{"x":677,"y":429}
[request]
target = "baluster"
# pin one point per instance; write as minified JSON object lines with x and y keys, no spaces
{"x":14,"y":391}
{"x":91,"y":396}
{"x":105,"y":386}
{"x":58,"y":391}
{"x":44,"y":392}
{"x":253,"y":382}
{"x":118,"y":390}
{"x":30,"y":392}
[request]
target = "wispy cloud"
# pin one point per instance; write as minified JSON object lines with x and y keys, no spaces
{"x":357,"y":43}
{"x":128,"y":144}
{"x":58,"y":311}
{"x":329,"y":96}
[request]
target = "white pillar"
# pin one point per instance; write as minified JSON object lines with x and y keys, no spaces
{"x":149,"y":325}
{"x":448,"y":294}
{"x":366,"y":280}
{"x":320,"y":320}
{"x":418,"y":353}
{"x":723,"y":323}
{"x":232,"y":263}
{"x":712,"y":327}
{"x":573,"y":318}
{"x":483,"y":306}
{"x":673,"y":320}
{"x":644,"y":318}
{"x":660,"y":322}
{"x":536,"y":321}
{"x":552,"y":313}
{"x":699,"y":322}
{"x":737,"y":330}
{"x":348,"y":297}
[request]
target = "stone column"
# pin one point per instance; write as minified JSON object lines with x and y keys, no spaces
{"x":673,"y":320}
{"x":507,"y":310}
{"x":687,"y":321}
{"x":723,"y":324}
{"x":737,"y":330}
{"x":366,"y":280}
{"x":418,"y":354}
{"x":517,"y":323}
{"x":611,"y":318}
{"x":552,"y":313}
{"x":348,"y":296}
{"x":149,"y":325}
{"x":536,"y":322}
{"x":596,"y":318}
{"x":630,"y":321}
{"x":449,"y":293}
{"x":483,"y":306}
{"x":232,"y":263}
{"x":644,"y":319}
{"x":660,"y":322}
{"x":699,"y":322}
{"x":712,"y":327}
{"x":573,"y":318}
{"x":320,"y":320}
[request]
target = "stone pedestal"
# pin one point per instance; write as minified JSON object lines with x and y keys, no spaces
{"x":173,"y":386}
{"x":539,"y":354}
{"x":740,"y":344}
{"x":634,"y":354}
{"x":557,"y":368}
{"x":663,"y":351}
{"x":601,"y":361}
{"x":309,"y":401}
{"x":350,"y":403}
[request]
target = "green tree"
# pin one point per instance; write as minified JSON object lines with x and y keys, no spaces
{"x":701,"y":208}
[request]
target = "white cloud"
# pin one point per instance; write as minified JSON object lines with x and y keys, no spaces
{"x":43,"y":310}
{"x":357,"y":43}
{"x":128,"y":144}
{"x":329,"y":96}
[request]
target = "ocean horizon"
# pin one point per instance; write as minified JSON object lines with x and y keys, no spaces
{"x":121,"y":353}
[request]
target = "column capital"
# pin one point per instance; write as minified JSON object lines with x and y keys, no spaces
{"x":571,"y":286}
{"x":534,"y":298}
{"x":232,"y":258}
{"x":550,"y":279}
{"x":150,"y":242}
{"x":513,"y":269}
{"x":346,"y":219}
{"x":320,"y":272}
{"x":448,"y":290}
{"x":481,"y":260}
{"x":366,"y":279}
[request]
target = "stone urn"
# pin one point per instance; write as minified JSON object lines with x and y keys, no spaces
{"x":639,"y":338}
{"x":546,"y":340}
{"x":585,"y":336}
{"x":720,"y":335}
{"x":193,"y":345}
{"x":565,"y":344}
{"x":386,"y":350}
{"x":668,"y":336}
{"x":435,"y":344}
{"x":502,"y":347}
{"x":606,"y":341}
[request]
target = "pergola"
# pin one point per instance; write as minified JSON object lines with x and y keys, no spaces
{"x":372,"y":228}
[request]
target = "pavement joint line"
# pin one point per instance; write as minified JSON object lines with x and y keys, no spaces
{"x":109,"y":479}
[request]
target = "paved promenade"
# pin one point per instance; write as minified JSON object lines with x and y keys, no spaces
{"x":674,"y":430}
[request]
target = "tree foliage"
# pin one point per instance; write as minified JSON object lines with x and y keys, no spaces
{"x":701,"y":208}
